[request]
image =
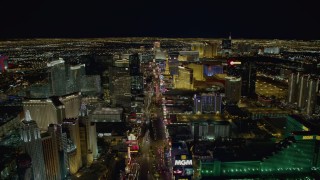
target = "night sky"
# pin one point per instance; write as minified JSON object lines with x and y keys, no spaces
{"x":175,"y":18}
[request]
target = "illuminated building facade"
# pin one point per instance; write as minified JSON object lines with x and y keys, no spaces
{"x":303,"y":91}
{"x":297,"y":153}
{"x":173,"y":63}
{"x":207,"y":103}
{"x":51,"y":157}
{"x":232,"y":89}
{"x":190,"y":56}
{"x":30,"y":135}
{"x":71,"y":103}
{"x":60,"y":139}
{"x":137,"y":84}
{"x":271,"y":50}
{"x":197,"y":71}
{"x":307,"y":94}
{"x":57,"y":77}
{"x":184,"y":80}
{"x":54,"y":109}
{"x":120,"y":87}
{"x":106,"y":114}
{"x":211,"y":70}
{"x":136,"y":75}
{"x":312,"y":96}
{"x":210,"y":50}
{"x":292,"y":88}
{"x":88,"y":138}
{"x":209,"y":130}
{"x":296,"y":158}
{"x":160,"y":55}
{"x":44,"y":111}
{"x":71,"y":128}
{"x":156,"y":45}
{"x":198,"y":47}
{"x":75,"y":77}
{"x":121,"y":63}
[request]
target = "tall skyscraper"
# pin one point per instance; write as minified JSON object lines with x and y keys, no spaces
{"x":57,"y":76}
{"x":51,"y":157}
{"x":71,"y":128}
{"x":75,"y":76}
{"x":207,"y":103}
{"x":198,"y":47}
{"x":60,"y":139}
{"x":134,"y":64}
{"x":184,"y":80}
{"x":71,"y":103}
{"x":232,"y":89}
{"x":120,"y":87}
{"x":226,"y":46}
{"x":54,"y":109}
{"x":303,"y":91}
{"x":248,"y":77}
{"x":197,"y":106}
{"x":197,"y":71}
{"x":136,"y":76}
{"x":312,"y":96}
{"x":30,"y":135}
{"x":292,"y":88}
{"x":88,"y":138}
{"x":210,"y":50}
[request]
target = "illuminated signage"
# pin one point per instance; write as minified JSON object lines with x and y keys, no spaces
{"x":178,"y":171}
{"x":234,"y":63}
{"x":183,"y":162}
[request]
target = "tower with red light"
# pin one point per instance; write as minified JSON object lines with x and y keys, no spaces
{"x":3,"y":63}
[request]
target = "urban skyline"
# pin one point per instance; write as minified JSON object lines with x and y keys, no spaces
{"x":170,"y":90}
{"x":159,"y":108}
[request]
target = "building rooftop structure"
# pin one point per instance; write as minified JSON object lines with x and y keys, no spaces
{"x":186,"y":118}
{"x":53,"y":63}
{"x":108,"y":110}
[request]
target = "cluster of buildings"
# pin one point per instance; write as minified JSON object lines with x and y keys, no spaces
{"x":216,"y":122}
{"x":303,"y":90}
{"x":232,"y":131}
{"x":56,"y":136}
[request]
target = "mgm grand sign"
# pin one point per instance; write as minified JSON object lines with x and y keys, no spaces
{"x":183,"y":160}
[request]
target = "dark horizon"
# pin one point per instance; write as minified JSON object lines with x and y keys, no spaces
{"x":178,"y":19}
{"x":155,"y":37}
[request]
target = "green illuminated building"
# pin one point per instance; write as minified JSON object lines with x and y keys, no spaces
{"x":298,"y":157}
{"x":297,"y":154}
